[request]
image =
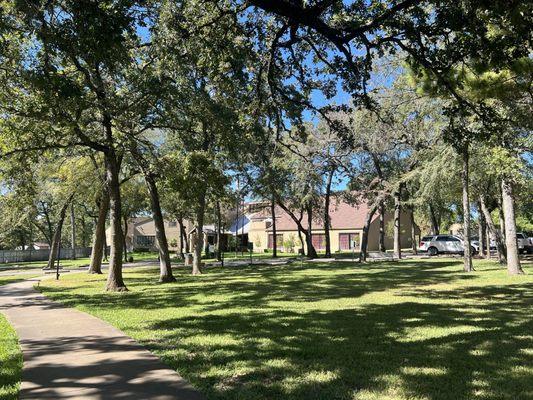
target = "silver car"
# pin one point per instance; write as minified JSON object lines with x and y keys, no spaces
{"x":525,"y":244}
{"x":437,"y":244}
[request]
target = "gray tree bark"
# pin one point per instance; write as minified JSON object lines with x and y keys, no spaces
{"x":397,"y":223}
{"x":56,"y":241}
{"x":165,"y":267}
{"x":124,"y":238}
{"x":482,"y":229}
{"x":180,"y":223}
{"x":413,"y":230}
{"x":513,"y":261}
{"x":184,"y":241}
{"x":366,"y":228}
{"x":73,"y":231}
{"x":500,"y":246}
{"x":311,"y":251}
{"x":488,"y":237}
{"x":274,"y":230}
{"x":501,"y":218}
{"x":219,"y":233}
{"x":327,"y":220}
{"x":466,"y":212}
{"x":115,"y":282}
{"x":83,"y":231}
{"x":382,"y":226}
{"x":199,"y":237}
{"x":434,"y":222}
{"x":97,"y":253}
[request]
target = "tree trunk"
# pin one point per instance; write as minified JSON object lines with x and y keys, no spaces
{"x":500,"y":246}
{"x":180,"y":223}
{"x":397,"y":231}
{"x":513,"y":261}
{"x":502,"y":221}
{"x":488,"y":237}
{"x":466,"y":212}
{"x":73,"y":231}
{"x":482,"y":229}
{"x":22,"y":240}
{"x":327,"y":219}
{"x":83,"y":231}
{"x":366,"y":228}
{"x":199,"y":238}
{"x":106,"y":254}
{"x":301,"y":238}
{"x":274,"y":231}
{"x":382,"y":226}
{"x":435,"y":228}
{"x":165,"y":267}
{"x":99,"y":240}
{"x":311,"y":251}
{"x":115,"y":281}
{"x":413,"y":230}
{"x":56,"y":241}
{"x":219,"y":233}
{"x":124,"y":237}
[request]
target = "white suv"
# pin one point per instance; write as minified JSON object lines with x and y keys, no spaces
{"x":525,"y":244}
{"x":443,"y":244}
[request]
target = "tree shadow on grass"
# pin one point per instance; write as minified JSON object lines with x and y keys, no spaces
{"x":256,"y":332}
{"x":407,"y":350}
{"x":257,"y":286}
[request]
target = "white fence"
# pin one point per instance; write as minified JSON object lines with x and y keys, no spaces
{"x":8,"y":256}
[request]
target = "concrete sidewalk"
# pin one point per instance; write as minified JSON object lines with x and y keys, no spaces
{"x":69,"y":354}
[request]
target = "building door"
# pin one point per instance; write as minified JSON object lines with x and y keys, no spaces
{"x":347,"y":240}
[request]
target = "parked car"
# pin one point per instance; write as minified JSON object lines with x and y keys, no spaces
{"x":424,"y":243}
{"x":450,"y":244}
{"x":525,"y":244}
{"x":475,"y":245}
{"x":474,"y":242}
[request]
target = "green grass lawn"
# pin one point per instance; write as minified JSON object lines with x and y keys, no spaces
{"x":77,"y":263}
{"x":5,"y":279}
{"x":10,"y":362}
{"x":409,"y":330}
{"x":10,"y":354}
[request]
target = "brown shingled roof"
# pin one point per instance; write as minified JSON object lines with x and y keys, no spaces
{"x":342,"y":214}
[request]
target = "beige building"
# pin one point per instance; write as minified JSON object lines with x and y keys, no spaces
{"x":141,"y":234}
{"x":347,"y":223}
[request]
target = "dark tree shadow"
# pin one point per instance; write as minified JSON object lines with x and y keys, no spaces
{"x":419,"y":339}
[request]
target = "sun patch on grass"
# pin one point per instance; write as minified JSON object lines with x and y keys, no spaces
{"x":429,"y":332}
{"x":423,"y":371}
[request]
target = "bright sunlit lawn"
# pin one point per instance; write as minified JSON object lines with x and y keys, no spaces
{"x":410,"y":330}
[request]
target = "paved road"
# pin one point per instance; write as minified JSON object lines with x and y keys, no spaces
{"x":69,"y":354}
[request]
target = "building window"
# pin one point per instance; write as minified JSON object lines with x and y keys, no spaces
{"x":319,"y":241}
{"x":172,"y":224}
{"x":347,"y":240}
{"x":279,"y":241}
{"x":145,"y":241}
